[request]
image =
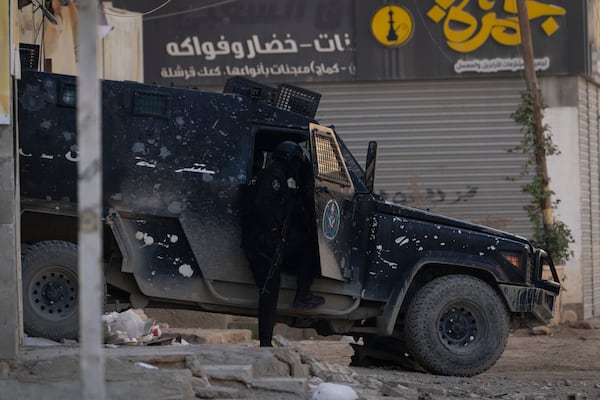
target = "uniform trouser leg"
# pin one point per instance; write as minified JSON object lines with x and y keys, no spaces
{"x":306,"y":263}
{"x":267,"y":301}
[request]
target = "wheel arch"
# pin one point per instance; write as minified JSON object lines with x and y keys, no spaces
{"x":38,"y":226}
{"x":41,"y":224}
{"x":420,"y":275}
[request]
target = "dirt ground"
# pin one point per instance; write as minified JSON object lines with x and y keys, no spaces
{"x":563,"y":364}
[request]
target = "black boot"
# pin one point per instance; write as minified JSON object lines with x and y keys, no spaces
{"x":310,"y":300}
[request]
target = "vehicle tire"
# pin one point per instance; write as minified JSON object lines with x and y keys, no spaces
{"x":51,"y":290}
{"x":456,"y":325}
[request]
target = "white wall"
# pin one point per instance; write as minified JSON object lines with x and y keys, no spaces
{"x":566,"y":183}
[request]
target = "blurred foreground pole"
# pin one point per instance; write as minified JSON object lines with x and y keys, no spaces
{"x":10,"y":265}
{"x":89,"y":144}
{"x":532,"y":87}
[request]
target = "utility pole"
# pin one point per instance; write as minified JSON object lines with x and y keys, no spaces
{"x":89,"y":194}
{"x":532,"y":86}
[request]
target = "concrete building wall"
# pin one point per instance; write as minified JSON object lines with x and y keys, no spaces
{"x":565,"y":181}
{"x":572,"y":179}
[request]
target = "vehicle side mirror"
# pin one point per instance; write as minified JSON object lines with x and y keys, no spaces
{"x":371,"y":165}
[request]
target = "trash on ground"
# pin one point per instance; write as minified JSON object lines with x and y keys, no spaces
{"x":131,"y":327}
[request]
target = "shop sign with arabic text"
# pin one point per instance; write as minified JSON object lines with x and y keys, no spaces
{"x":452,"y":38}
{"x":199,"y":43}
{"x":187,"y":43}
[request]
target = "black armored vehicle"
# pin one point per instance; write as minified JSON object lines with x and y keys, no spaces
{"x":418,"y":287}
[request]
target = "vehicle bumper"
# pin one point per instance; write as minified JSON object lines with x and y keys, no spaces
{"x":534,"y":301}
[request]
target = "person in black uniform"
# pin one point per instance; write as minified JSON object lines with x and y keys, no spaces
{"x":281,"y":193}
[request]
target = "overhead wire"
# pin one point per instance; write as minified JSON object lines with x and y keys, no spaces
{"x":193,"y":9}
{"x":143,"y":13}
{"x":217,"y":4}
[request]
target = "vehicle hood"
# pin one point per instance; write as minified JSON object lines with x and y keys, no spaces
{"x":415,"y":213}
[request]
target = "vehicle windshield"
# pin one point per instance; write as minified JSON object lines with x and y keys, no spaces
{"x":356,"y":172}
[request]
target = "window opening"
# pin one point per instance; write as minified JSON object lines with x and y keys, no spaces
{"x":151,"y":104}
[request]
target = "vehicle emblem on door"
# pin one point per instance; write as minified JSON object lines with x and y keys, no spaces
{"x":331,"y":219}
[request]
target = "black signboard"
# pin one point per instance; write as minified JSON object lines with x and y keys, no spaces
{"x":455,"y":38}
{"x":193,"y":43}
{"x":202,"y":42}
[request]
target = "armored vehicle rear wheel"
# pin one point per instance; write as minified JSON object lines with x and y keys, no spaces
{"x":50,"y":290}
{"x":456,"y":325}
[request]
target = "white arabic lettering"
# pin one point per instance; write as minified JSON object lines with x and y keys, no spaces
{"x":191,"y":46}
{"x":258,"y":70}
{"x":498,"y":64}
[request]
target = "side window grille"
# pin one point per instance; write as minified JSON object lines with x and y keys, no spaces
{"x":68,"y":94}
{"x":329,"y":160}
{"x":151,"y":104}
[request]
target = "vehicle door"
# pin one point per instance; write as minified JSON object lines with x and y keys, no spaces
{"x":334,"y":207}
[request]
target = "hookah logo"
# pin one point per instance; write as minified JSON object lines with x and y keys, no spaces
{"x":392,"y":26}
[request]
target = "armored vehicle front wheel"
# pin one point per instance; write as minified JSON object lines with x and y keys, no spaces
{"x":456,"y":325}
{"x":50,"y":290}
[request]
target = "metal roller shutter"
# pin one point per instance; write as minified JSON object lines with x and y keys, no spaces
{"x":443,"y":145}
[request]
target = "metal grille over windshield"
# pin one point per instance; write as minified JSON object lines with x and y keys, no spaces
{"x":329,"y":159}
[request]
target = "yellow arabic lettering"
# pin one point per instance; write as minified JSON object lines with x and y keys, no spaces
{"x":486,"y":5}
{"x":458,"y":17}
{"x":535,"y":9}
{"x":507,"y":31}
{"x":464,"y":33}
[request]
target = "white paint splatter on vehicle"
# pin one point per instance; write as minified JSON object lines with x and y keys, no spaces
{"x":148,"y":240}
{"x":402,"y":240}
{"x":186,"y":270}
{"x":391,"y":264}
{"x":146,"y":164}
{"x":491,"y":248}
{"x":481,"y":253}
{"x":173,"y":238}
{"x":197,"y":168}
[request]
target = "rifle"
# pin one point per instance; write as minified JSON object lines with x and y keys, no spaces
{"x":277,"y":254}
